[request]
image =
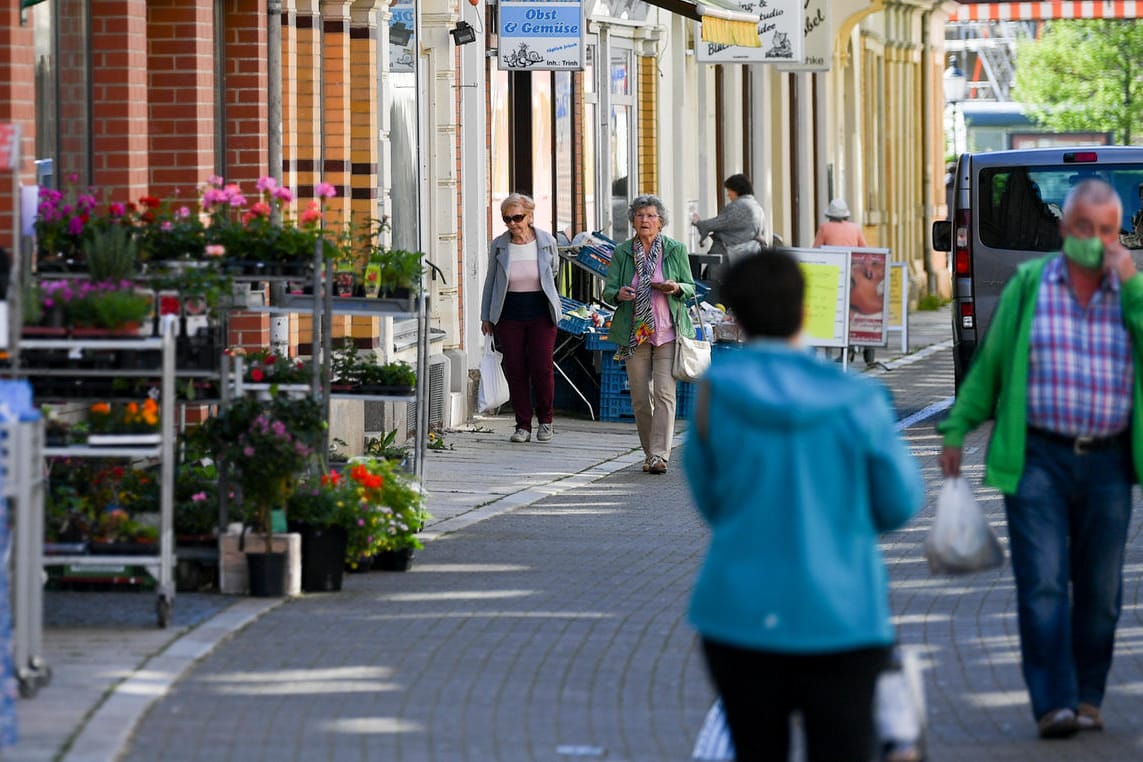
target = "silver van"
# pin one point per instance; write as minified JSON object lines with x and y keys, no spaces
{"x":1006,"y":208}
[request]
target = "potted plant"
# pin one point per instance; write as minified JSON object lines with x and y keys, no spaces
{"x":114,"y":306}
{"x":265,"y":444}
{"x":318,"y":511}
{"x":111,"y":253}
{"x":387,"y":513}
{"x":124,"y":423}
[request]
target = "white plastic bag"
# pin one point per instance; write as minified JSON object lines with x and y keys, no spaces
{"x":493,"y":390}
{"x":961,"y":541}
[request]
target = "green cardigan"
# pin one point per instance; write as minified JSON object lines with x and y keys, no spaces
{"x":997,"y":383}
{"x":621,"y":271}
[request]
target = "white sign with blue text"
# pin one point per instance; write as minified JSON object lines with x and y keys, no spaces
{"x":779,"y":28}
{"x":541,"y":35}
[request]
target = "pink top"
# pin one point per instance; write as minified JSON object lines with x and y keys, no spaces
{"x":524,"y":267}
{"x":660,"y":308}
{"x":839,"y":233}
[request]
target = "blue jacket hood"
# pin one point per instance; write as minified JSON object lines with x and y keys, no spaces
{"x":776,"y":385}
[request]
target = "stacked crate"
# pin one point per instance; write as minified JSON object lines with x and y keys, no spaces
{"x":615,"y":391}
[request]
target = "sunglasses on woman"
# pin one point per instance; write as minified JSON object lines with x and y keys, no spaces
{"x":514,"y":218}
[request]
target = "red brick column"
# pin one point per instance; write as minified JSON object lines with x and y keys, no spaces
{"x":180,"y":63}
{"x":119,"y":97}
{"x":17,"y":104}
{"x":246,"y":83}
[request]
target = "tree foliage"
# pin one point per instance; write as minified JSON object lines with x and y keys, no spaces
{"x":1084,"y":76}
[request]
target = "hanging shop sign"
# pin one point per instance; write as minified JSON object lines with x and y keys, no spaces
{"x":817,"y":39}
{"x":402,"y":37}
{"x":541,"y":35}
{"x":780,"y":29}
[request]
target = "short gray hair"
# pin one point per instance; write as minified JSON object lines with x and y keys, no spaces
{"x":647,"y":200}
{"x":1094,"y":191}
{"x":518,"y":199}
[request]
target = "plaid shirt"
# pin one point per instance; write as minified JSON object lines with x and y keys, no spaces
{"x":1080,"y":372}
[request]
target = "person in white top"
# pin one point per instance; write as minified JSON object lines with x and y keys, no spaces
{"x":521,"y":308}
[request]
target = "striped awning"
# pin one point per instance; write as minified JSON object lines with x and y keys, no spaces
{"x":723,"y":21}
{"x":1046,"y":11}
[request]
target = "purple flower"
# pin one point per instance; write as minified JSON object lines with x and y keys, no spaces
{"x":325,"y":190}
{"x":75,"y":226}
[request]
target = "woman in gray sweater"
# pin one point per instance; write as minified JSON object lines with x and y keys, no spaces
{"x":739,"y":230}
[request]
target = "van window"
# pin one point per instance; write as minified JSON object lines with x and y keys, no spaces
{"x":1020,"y":207}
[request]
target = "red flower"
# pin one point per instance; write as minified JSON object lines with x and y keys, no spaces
{"x":256,"y":375}
{"x":169,"y":305}
{"x":270,"y":360}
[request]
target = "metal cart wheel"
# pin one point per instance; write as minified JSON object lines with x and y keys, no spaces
{"x":163,"y":609}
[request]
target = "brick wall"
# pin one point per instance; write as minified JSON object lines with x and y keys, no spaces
{"x":17,"y":104}
{"x":180,"y":65}
{"x":246,"y":84}
{"x":120,"y":141}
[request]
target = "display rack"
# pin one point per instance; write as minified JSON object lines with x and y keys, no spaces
{"x":323,"y":305}
{"x":160,"y":564}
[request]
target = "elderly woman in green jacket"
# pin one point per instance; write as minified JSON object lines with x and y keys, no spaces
{"x":649,"y":280}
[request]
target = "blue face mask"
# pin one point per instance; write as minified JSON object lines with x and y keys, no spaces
{"x":1085,"y":252}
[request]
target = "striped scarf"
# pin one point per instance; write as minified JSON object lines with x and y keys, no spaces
{"x":643,"y":326}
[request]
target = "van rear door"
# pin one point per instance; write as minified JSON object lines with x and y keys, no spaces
{"x":1007,"y":207}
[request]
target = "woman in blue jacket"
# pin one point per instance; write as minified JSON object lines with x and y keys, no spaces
{"x":797,"y":468}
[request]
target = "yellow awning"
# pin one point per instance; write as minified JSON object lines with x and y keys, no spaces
{"x":722,"y":21}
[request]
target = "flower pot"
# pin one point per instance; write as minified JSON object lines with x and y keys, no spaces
{"x":344,"y":283}
{"x":323,"y":557}
{"x":267,"y":574}
{"x":393,"y":560}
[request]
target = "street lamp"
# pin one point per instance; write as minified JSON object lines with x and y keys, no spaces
{"x":956,"y":88}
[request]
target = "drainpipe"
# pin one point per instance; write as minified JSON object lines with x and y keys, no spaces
{"x":927,"y":119}
{"x":279,"y":325}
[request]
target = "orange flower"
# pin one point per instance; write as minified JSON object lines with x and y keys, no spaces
{"x":101,"y":408}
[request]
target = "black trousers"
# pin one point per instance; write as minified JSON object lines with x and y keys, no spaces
{"x":833,"y":692}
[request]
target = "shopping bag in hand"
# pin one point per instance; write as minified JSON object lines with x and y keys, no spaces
{"x":961,"y":541}
{"x":493,"y":390}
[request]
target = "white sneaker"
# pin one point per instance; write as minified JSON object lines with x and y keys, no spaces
{"x":545,"y":433}
{"x":520,"y":435}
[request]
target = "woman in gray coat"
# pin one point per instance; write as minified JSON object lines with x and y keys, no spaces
{"x":739,"y":230}
{"x":522,"y":308}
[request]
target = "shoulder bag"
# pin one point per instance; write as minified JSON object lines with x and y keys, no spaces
{"x":692,"y":356}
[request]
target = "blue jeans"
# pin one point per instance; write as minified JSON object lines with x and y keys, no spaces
{"x":1068,"y":521}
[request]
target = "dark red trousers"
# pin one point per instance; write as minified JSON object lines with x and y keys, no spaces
{"x":527,"y":346}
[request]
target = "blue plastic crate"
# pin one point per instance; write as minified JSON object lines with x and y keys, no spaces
{"x":613,"y":379}
{"x":598,"y":342}
{"x":576,"y":325}
{"x":594,"y":259}
{"x":616,"y":406}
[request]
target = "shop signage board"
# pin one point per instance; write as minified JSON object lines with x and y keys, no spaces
{"x":780,"y":27}
{"x":899,"y":303}
{"x":817,"y":40}
{"x":540,"y":35}
{"x":401,"y":17}
{"x":827,"y":296}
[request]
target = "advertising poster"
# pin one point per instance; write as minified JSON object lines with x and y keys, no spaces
{"x":827,"y":295}
{"x":402,"y":39}
{"x":868,"y":297}
{"x":779,"y":27}
{"x":541,"y":35}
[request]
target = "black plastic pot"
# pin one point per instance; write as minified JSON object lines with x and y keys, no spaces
{"x":267,"y":574}
{"x":323,"y":556}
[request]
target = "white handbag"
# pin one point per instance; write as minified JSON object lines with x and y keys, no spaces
{"x":692,"y":356}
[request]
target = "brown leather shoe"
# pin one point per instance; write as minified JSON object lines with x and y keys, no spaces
{"x":1058,"y":723}
{"x":1088,"y":718}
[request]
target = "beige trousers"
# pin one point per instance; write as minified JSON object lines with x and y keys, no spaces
{"x":653,"y":396}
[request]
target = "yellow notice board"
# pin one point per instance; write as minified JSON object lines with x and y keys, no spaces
{"x":896,"y":290}
{"x":827,"y":296}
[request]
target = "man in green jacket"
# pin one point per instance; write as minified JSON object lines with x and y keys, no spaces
{"x":1059,"y":373}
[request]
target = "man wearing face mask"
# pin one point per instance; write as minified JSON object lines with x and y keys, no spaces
{"x":1057,"y":375}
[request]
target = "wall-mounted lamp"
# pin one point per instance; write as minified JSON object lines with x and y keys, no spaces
{"x":463,"y":33}
{"x":399,"y":34}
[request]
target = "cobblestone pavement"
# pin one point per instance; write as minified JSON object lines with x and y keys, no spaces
{"x":557,"y":631}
